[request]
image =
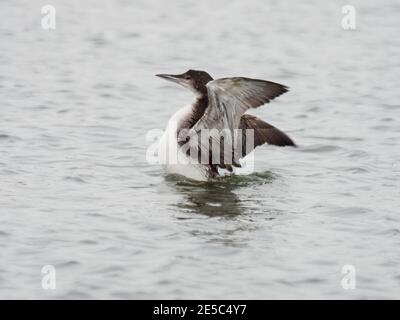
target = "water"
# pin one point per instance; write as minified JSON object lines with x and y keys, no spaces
{"x":77,"y":192}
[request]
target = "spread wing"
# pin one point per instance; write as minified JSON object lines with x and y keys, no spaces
{"x":229,"y":99}
{"x":263,"y":133}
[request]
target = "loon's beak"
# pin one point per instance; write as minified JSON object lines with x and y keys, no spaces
{"x":177,"y":78}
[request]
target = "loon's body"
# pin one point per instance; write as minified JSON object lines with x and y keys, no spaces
{"x":174,"y":160}
{"x":220,"y":105}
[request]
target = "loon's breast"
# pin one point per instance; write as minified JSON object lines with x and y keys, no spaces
{"x":170,"y":155}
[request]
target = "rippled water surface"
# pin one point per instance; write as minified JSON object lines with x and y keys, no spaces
{"x":76,"y":191}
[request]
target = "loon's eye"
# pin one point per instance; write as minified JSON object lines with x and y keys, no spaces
{"x":187,"y":77}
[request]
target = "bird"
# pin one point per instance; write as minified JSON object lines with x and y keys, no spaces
{"x":207,"y":138}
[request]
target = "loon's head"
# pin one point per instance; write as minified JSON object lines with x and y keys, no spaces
{"x":194,"y":80}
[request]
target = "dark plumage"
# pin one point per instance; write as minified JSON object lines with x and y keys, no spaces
{"x":264,"y":132}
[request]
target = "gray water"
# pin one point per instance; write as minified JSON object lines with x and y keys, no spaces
{"x":77,"y":193}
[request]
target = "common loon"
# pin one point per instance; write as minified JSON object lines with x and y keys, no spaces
{"x":219,"y":105}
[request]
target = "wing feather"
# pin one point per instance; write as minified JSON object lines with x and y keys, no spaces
{"x":229,"y":99}
{"x":263,"y":133}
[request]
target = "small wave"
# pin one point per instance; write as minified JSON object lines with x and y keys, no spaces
{"x":320,"y":148}
{"x":67,"y":264}
{"x":4,"y":233}
{"x":336,"y":138}
{"x":76,"y":295}
{"x":74,"y":179}
{"x":391,"y":106}
{"x":6,"y":137}
{"x":88,"y":242}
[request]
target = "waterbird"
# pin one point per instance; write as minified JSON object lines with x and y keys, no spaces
{"x":219,"y":105}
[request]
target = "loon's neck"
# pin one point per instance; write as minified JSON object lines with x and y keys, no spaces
{"x":199,"y":106}
{"x":195,"y":112}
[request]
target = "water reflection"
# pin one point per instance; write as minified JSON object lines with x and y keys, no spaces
{"x":218,"y":197}
{"x":209,"y":199}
